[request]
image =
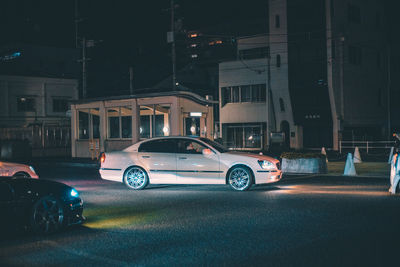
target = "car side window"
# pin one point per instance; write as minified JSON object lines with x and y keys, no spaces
{"x":187,"y":146}
{"x":159,"y":146}
{"x":6,"y":193}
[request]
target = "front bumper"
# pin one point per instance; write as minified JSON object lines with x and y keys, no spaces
{"x":266,"y":177}
{"x":73,"y":212}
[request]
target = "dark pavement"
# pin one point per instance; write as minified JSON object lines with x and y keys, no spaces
{"x":309,"y":221}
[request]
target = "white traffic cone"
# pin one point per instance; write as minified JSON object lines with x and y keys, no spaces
{"x":390,"y":155}
{"x":323,"y":152}
{"x":349,"y":169}
{"x":357,"y":157}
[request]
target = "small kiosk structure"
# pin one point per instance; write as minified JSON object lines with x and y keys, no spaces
{"x":114,"y":123}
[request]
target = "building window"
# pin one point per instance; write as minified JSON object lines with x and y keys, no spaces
{"x":246,"y":92}
{"x":242,"y":136}
{"x":154,"y":120}
{"x":26,"y":104}
{"x":60,"y":105}
{"x":355,"y":55}
{"x":278,"y":60}
{"x":243,"y":93}
{"x":282,"y":104}
{"x":83,"y":120}
{"x":333,"y":49}
{"x":353,"y":13}
{"x":258,"y":93}
{"x":89,"y":123}
{"x":277,"y":21}
{"x":253,"y":53}
{"x":235,"y":94}
{"x":119,"y":122}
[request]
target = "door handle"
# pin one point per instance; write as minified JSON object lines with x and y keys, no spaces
{"x":146,"y":157}
{"x":182,"y":158}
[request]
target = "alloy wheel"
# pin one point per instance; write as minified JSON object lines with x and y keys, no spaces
{"x":240,"y":179}
{"x":136,"y":178}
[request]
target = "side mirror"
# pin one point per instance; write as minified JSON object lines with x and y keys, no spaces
{"x":207,"y":152}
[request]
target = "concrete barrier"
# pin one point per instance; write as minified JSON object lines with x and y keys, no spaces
{"x":304,"y":165}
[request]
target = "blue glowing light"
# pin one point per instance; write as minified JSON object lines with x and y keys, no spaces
{"x":74,"y":193}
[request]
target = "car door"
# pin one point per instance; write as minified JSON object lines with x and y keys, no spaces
{"x":6,"y":205}
{"x":158,"y":157}
{"x":194,"y":167}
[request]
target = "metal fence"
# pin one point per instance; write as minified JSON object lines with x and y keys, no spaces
{"x":367,"y":146}
{"x":44,"y":140}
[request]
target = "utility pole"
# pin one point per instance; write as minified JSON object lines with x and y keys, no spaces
{"x":388,"y":92}
{"x":84,"y":67}
{"x":268,"y":90}
{"x":76,"y":24}
{"x":131,"y":80}
{"x":173,"y":45}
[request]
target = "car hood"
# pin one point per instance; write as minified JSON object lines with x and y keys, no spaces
{"x":40,"y":186}
{"x":251,"y":155}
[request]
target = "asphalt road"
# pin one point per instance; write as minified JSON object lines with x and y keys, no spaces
{"x":314,"y":221}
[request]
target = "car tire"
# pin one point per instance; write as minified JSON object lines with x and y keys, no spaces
{"x":240,"y":178}
{"x":21,"y":175}
{"x":136,"y":178}
{"x":47,"y":215}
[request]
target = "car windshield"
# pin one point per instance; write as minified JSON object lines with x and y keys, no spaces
{"x":220,"y":148}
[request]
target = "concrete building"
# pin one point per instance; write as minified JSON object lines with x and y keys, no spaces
{"x":34,"y":109}
{"x":108,"y":124}
{"x":324,"y":71}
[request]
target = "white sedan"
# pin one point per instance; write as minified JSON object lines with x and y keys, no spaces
{"x":17,"y":170}
{"x":187,"y":160}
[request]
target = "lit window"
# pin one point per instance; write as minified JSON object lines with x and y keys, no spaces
{"x":193,"y":35}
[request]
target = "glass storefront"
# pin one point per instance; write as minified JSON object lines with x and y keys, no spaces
{"x":88,"y":124}
{"x":119,"y":122}
{"x":154,"y":120}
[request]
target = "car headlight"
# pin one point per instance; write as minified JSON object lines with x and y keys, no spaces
{"x":74,"y":193}
{"x":266,"y":165}
{"x":32,"y":169}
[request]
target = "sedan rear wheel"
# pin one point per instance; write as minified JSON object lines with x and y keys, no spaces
{"x":240,"y":178}
{"x":136,"y":178}
{"x":47,"y":215}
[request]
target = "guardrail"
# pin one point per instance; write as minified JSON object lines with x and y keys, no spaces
{"x":368,"y":145}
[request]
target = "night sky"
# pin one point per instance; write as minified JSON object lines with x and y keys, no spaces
{"x":132,"y":33}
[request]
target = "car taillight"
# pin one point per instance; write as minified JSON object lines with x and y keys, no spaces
{"x":102,"y":157}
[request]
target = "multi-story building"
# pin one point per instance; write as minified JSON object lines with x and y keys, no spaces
{"x":324,"y":71}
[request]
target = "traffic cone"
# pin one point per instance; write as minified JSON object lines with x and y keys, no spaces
{"x":349,"y":169}
{"x":323,"y":152}
{"x":357,"y":157}
{"x":390,"y":155}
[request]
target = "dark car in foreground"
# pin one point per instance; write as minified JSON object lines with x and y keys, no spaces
{"x":42,"y":206}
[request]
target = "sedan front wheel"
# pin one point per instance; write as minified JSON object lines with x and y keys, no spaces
{"x":136,"y":178}
{"x":240,"y":178}
{"x":47,"y":215}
